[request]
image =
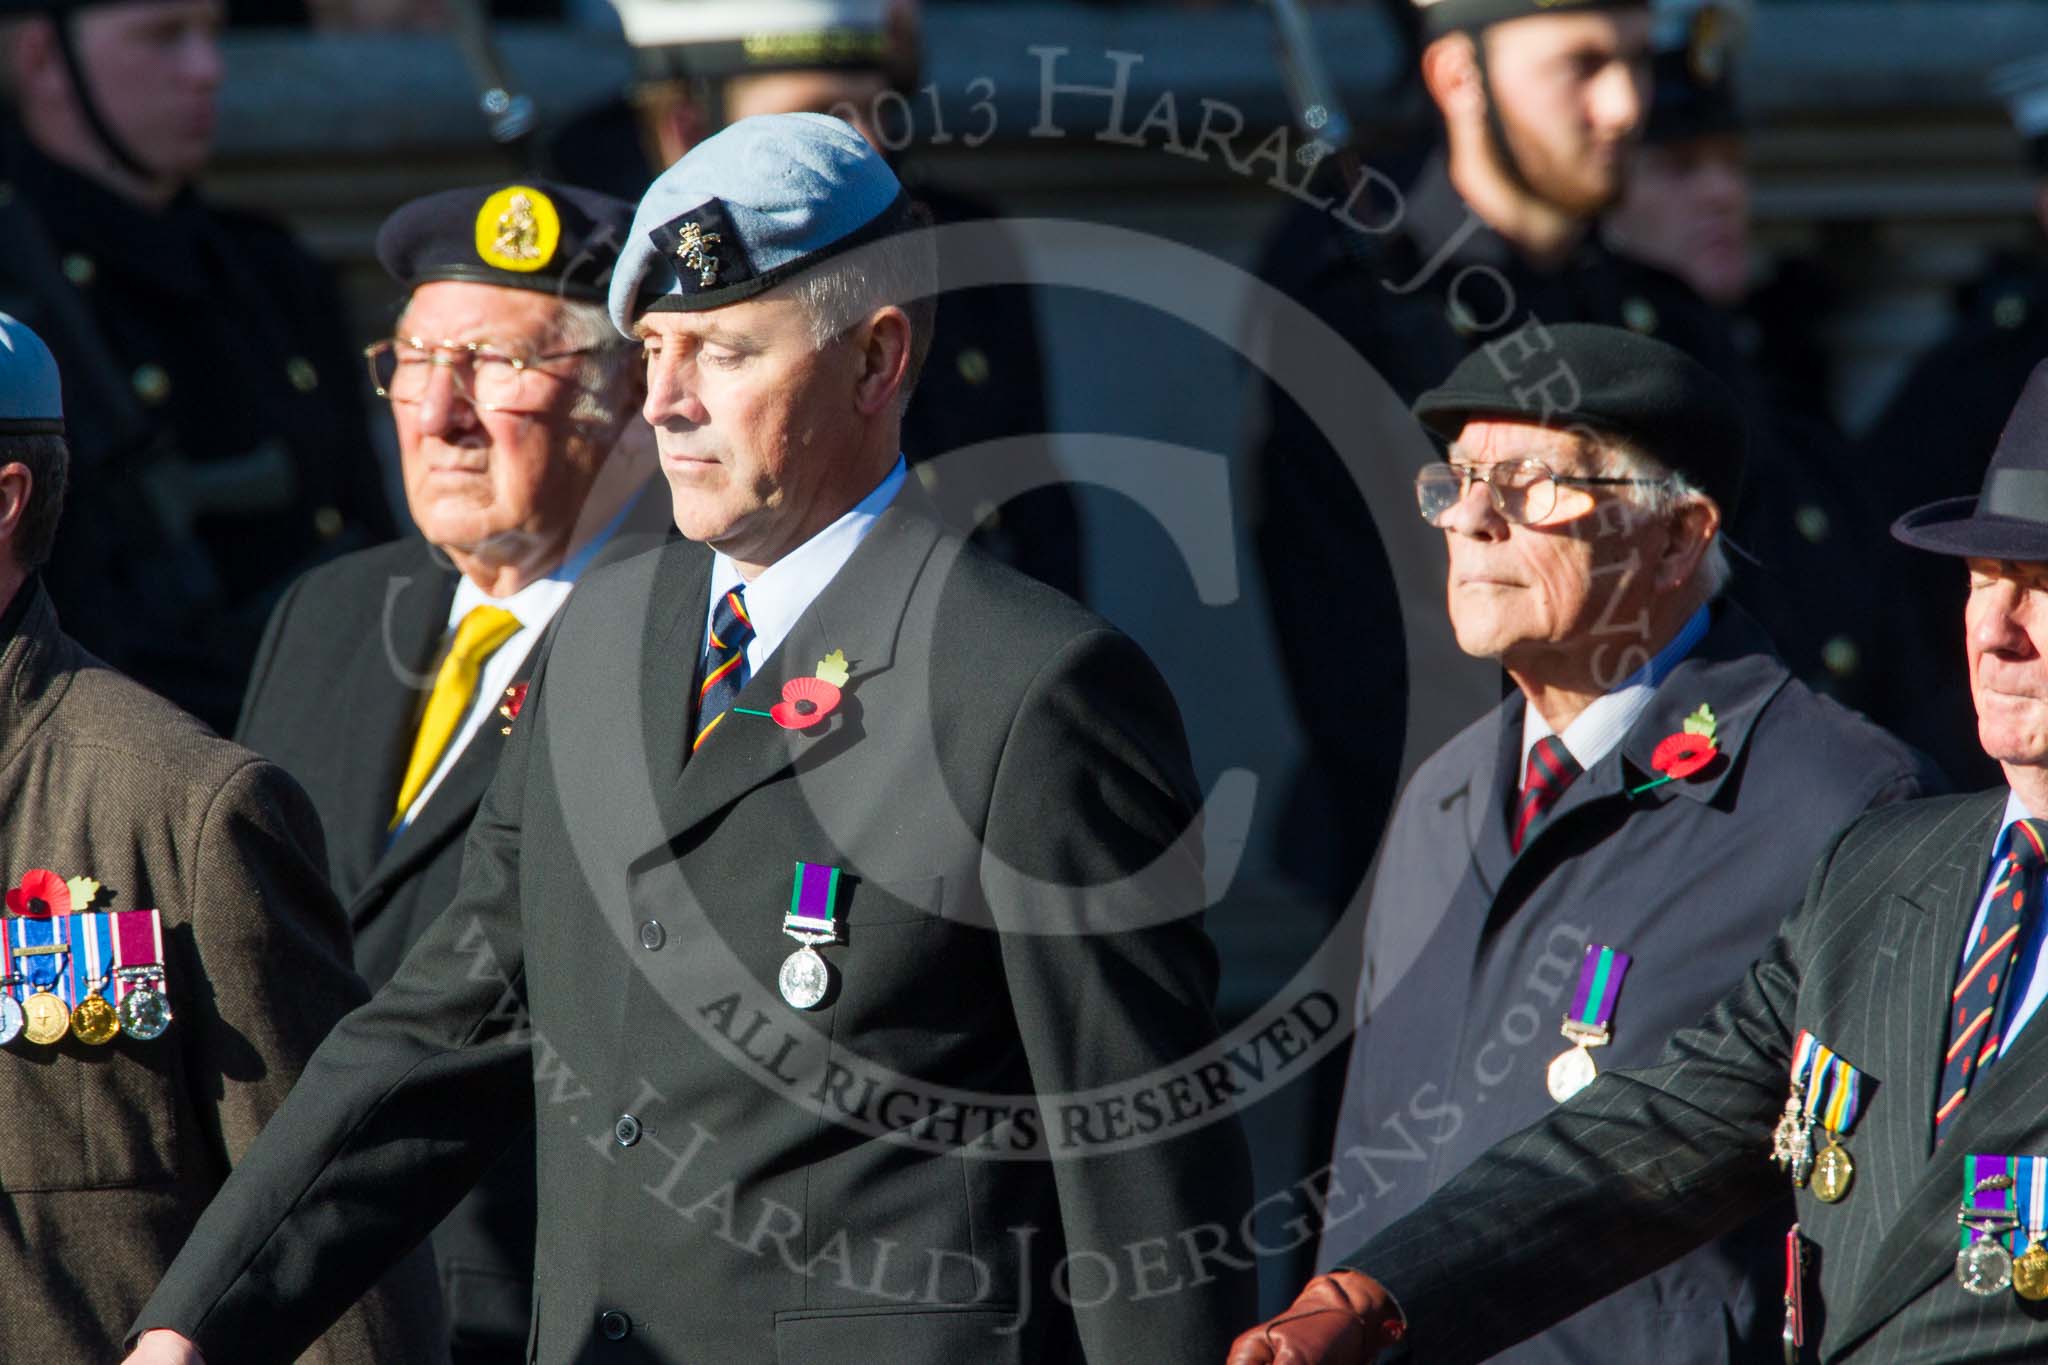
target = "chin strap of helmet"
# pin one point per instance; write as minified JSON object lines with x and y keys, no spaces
{"x":1496,"y":131}
{"x":67,"y":44}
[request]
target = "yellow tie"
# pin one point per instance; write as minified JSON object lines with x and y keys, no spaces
{"x":476,"y":639}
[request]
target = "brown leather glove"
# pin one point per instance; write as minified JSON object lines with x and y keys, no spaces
{"x":1342,"y":1318}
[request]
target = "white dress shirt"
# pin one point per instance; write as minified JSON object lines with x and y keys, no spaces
{"x":1595,"y":731}
{"x":784,"y":590}
{"x":535,"y":605}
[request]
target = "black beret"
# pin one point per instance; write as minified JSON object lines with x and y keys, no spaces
{"x":1440,"y":17}
{"x":1611,"y":380}
{"x":535,"y":234}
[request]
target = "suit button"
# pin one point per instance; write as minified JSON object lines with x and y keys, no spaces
{"x":614,"y":1325}
{"x":652,"y":935}
{"x":626,"y":1131}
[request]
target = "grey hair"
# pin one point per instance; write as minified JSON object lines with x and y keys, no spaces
{"x":579,"y":326}
{"x":899,"y":270}
{"x":1666,"y":493}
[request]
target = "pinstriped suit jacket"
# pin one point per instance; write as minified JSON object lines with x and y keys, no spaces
{"x":1645,"y":1165}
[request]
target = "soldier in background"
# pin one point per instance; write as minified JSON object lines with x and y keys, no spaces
{"x":1937,"y":434}
{"x":705,"y":63}
{"x":1493,"y":241}
{"x":1806,"y":526}
{"x":219,"y":442}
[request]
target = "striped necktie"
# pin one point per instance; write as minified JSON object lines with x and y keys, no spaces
{"x":482,"y":630}
{"x":724,"y":666}
{"x":1984,"y":982}
{"x":1551,"y":770}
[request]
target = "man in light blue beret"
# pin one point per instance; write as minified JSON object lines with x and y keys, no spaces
{"x":834,"y":919}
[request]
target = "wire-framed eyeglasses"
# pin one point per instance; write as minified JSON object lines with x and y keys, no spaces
{"x":492,"y":379}
{"x":1523,"y":491}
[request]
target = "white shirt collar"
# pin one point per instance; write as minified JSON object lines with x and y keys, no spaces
{"x":537,"y":602}
{"x":1595,"y":731}
{"x":783,"y":591}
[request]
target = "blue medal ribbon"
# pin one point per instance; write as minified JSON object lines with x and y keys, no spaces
{"x":42,"y":971}
{"x":92,"y":954}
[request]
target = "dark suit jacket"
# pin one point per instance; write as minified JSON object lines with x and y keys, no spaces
{"x":360,"y":637}
{"x":1007,"y":787}
{"x":108,"y":1154}
{"x":1644,"y":1165}
{"x":1473,"y":953}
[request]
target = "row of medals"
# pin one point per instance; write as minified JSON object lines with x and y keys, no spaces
{"x":1984,"y":1266}
{"x":1792,"y":1148}
{"x":43,"y":1018}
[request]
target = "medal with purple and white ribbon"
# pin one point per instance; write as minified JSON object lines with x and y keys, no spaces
{"x":812,"y":920}
{"x":139,"y":998}
{"x":1600,"y":975}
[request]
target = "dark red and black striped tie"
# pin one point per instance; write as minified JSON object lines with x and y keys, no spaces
{"x":1976,"y":1009}
{"x":1551,"y":770}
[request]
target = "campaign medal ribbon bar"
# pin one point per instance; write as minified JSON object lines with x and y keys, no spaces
{"x":140,"y":1000}
{"x":92,"y":966}
{"x":12,"y":1020}
{"x":1984,"y":1264}
{"x":1829,"y":1093}
{"x":1600,"y":975}
{"x":40,"y":950}
{"x":812,"y":920}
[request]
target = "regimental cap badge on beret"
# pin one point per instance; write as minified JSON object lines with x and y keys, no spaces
{"x":697,"y":249}
{"x":518,"y":229}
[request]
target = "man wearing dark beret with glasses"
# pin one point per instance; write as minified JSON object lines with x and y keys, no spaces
{"x":1589,"y":866}
{"x":526,"y":464}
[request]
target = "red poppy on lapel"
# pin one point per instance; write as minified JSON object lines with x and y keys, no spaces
{"x":805,"y":702}
{"x":1691,"y":749}
{"x":42,"y":895}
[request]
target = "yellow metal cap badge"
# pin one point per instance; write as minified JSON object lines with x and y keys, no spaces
{"x":518,"y":229}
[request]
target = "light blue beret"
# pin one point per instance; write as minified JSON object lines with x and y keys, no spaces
{"x":763,"y":200}
{"x":31,"y":398}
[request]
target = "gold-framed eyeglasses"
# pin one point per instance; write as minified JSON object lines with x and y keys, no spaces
{"x":488,"y":377}
{"x":1523,"y":491}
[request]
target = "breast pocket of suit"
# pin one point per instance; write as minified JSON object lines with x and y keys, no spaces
{"x":935,"y":1335}
{"x":83,"y":1118}
{"x":871,"y":902}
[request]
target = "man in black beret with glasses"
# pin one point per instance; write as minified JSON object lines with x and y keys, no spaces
{"x":526,"y":463}
{"x":1593,"y":863}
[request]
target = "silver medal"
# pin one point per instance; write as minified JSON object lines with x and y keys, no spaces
{"x":1571,"y":1072}
{"x":11,"y":1019}
{"x":1985,"y":1267}
{"x":144,"y":1014}
{"x":804,"y":978}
